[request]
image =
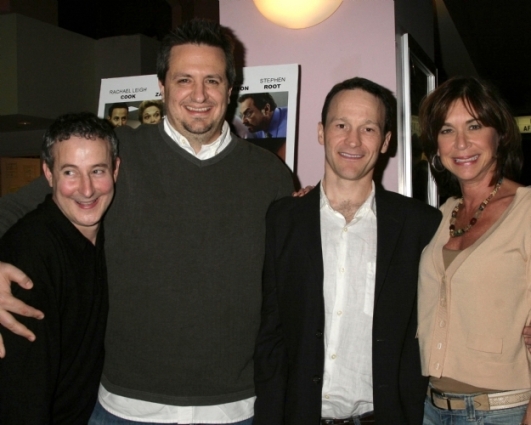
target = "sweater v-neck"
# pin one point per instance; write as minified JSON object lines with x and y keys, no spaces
{"x":191,"y":158}
{"x":465,"y":253}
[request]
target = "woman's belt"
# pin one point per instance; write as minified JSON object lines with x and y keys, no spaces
{"x":495,"y":401}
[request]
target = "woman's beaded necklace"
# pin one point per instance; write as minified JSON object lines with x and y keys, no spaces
{"x":454,"y":233}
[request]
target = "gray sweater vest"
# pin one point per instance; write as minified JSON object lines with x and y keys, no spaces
{"x":185,"y":247}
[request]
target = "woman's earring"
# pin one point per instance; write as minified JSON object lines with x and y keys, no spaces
{"x":436,"y":164}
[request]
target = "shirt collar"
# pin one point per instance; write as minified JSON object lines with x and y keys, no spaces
{"x":207,"y":151}
{"x":368,"y":205}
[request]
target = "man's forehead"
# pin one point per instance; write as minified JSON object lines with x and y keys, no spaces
{"x":92,"y":143}
{"x":357,"y":99}
{"x":95,"y":152}
{"x":357,"y":95}
{"x":191,"y":50}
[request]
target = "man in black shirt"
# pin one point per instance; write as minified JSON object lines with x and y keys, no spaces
{"x":60,"y":247}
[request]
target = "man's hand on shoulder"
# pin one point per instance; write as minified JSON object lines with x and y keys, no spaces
{"x":9,"y":304}
{"x":301,"y":192}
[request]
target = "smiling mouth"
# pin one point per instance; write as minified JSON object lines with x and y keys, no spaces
{"x":350,"y":155}
{"x":87,"y":204}
{"x":465,"y":160}
{"x":202,"y":109}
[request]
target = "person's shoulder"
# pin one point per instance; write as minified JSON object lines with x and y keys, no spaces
{"x":263,"y":168}
{"x":37,"y":246}
{"x":250,"y":148}
{"x":143,"y":131}
{"x":521,"y":205}
{"x":34,"y":218}
{"x":30,"y":234}
{"x":257,"y":154}
{"x":410,"y":205}
{"x":138,"y":143}
{"x":283,"y":115}
{"x":448,"y":204}
{"x":400,"y":199}
{"x":284,"y":205}
{"x":124,"y":131}
{"x":524,"y":193}
{"x":288,"y":204}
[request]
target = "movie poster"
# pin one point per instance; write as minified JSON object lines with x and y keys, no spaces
{"x":266,"y":108}
{"x":263,"y":106}
{"x":122,"y":100}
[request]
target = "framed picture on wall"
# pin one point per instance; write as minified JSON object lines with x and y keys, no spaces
{"x":130,"y":98}
{"x":263,"y":108}
{"x":417,"y":78}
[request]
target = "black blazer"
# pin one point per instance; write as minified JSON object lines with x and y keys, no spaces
{"x":289,"y":358}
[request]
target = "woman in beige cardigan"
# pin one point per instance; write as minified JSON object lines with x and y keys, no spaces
{"x":475,"y":275}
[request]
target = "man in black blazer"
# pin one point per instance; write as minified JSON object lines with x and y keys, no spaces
{"x":337,"y":340}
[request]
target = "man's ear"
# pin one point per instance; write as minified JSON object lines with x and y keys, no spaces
{"x":161,"y":89}
{"x":385,"y":144}
{"x":229,"y":93}
{"x":48,"y":174}
{"x":320,"y":133}
{"x":116,"y":168}
{"x":267,"y":110}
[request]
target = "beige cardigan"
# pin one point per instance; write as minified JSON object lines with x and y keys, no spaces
{"x":471,"y":316}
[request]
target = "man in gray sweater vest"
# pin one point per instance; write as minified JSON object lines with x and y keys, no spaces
{"x":185,"y":247}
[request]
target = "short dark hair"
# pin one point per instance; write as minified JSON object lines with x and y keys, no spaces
{"x":357,"y":83}
{"x":118,"y":105}
{"x":197,"y":31}
{"x":148,"y":103}
{"x":83,"y":124}
{"x":484,"y":103}
{"x":260,"y":100}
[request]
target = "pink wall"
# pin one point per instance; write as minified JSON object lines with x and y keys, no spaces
{"x":357,"y":40}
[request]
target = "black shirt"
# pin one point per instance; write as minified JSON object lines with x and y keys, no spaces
{"x":54,"y":379}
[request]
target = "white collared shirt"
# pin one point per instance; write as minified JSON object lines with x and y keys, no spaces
{"x":349,"y":259}
{"x":145,"y":411}
{"x":207,"y":151}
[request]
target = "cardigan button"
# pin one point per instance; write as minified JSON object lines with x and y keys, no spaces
{"x":316,"y":379}
{"x":319,"y":333}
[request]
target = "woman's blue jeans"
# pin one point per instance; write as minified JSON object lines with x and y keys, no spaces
{"x":470,"y":416}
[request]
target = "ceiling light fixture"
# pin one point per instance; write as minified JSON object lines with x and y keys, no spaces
{"x":297,"y":14}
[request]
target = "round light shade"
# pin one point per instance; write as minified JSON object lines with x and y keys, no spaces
{"x":297,"y":13}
